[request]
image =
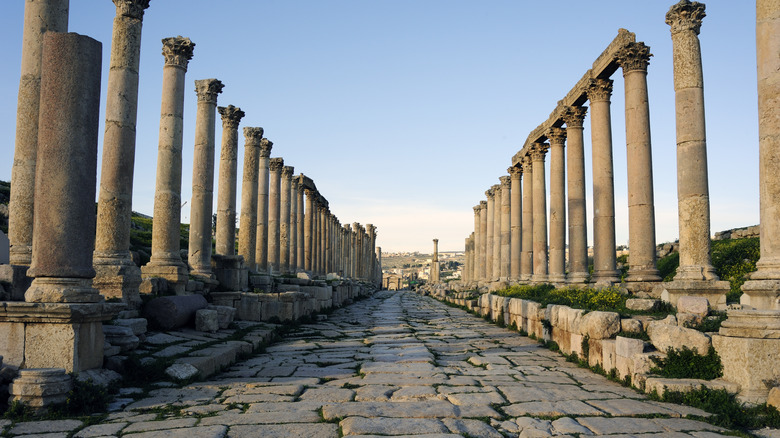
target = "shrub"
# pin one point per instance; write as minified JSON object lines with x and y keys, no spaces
{"x":667,"y":266}
{"x":733,"y":260}
{"x":688,"y":364}
{"x":728,"y":411}
{"x":607,"y":299}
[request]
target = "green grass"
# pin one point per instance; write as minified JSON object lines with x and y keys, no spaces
{"x":609,"y":299}
{"x":688,"y":364}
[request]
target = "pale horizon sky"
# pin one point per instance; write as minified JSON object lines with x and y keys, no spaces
{"x":404,"y":112}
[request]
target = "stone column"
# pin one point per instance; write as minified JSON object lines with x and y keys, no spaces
{"x":505,"y":260}
{"x":538,"y":151}
{"x":328,"y":243}
{"x":299,"y":222}
{"x":274,"y":215}
{"x":315,"y":237}
{"x":202,"y":204}
{"x":166,"y":259}
{"x":356,"y":249}
{"x":695,"y":275}
{"x":116,"y":276}
{"x":254,"y":144}
{"x":489,"y":239}
{"x":228,"y":177}
{"x":371,"y":251}
{"x":435,"y":262}
{"x":293,"y":266}
{"x":263,"y":184}
{"x":634,"y":59}
{"x":66,"y":169}
{"x":763,"y":288}
{"x":465,"y":270}
{"x":515,"y":222}
{"x":557,"y":262}
{"x":604,"y":268}
{"x":574,"y":116}
{"x":324,"y":240}
{"x":496,"y":232}
{"x":477,"y":241}
{"x":483,"y":240}
{"x":527,"y":255}
{"x":308,"y":230}
{"x":284,"y":219}
{"x":39,"y":17}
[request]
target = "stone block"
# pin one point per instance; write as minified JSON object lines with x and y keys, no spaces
{"x":714,"y":291}
{"x":181,"y":371}
{"x":774,"y":397}
{"x":40,"y":388}
{"x":5,"y":246}
{"x":74,"y":347}
{"x":660,"y":385}
{"x":595,"y":352}
{"x":15,"y":281}
{"x":642,"y":304}
{"x":120,"y":336}
{"x":751,"y":363}
{"x":282,"y":287}
{"x":12,"y":343}
{"x":625,"y":349}
{"x":695,"y":305}
{"x":575,"y":344}
{"x":206,"y":320}
{"x":225,"y":315}
{"x":153,"y":286}
{"x":688,"y":319}
{"x":665,"y":336}
{"x":608,"y":354}
{"x":137,"y":325}
{"x":631,"y":325}
{"x":99,"y":376}
{"x":173,"y":311}
{"x":600,"y":325}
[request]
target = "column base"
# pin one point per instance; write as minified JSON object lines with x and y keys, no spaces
{"x":230,"y":272}
{"x":15,"y":281}
{"x":605,"y":278}
{"x":749,"y":347}
{"x":540,"y":278}
{"x":62,"y":290}
{"x":642,"y":275}
{"x":761,"y":294}
{"x":20,"y":255}
{"x":577,"y":278}
{"x":207,"y":278}
{"x":714,"y":291}
{"x":119,"y":280}
{"x":176,"y":275}
{"x":557,"y":278}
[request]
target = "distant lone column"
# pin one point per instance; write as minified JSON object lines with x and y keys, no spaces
{"x":604,"y":263}
{"x":634,"y":59}
{"x":116,"y":274}
{"x":247,"y":232}
{"x":263,"y":183}
{"x":202,"y":204}
{"x":284,"y":219}
{"x":293,"y":267}
{"x":65,"y":178}
{"x":578,"y":227}
{"x":490,"y":239}
{"x":308,"y":230}
{"x":527,"y":256}
{"x":506,"y":235}
{"x":695,"y":275}
{"x":557,"y":138}
{"x":228,"y":179}
{"x":166,"y":259}
{"x":39,"y":17}
{"x":483,"y":240}
{"x":516,"y":222}
{"x":763,"y":288}
{"x":274,"y":215}
{"x":435,"y":262}
{"x":538,"y":151}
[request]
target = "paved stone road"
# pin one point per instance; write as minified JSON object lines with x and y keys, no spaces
{"x":395,"y":364}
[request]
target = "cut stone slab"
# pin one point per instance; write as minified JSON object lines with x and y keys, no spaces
{"x":626,"y":407}
{"x":32,"y":427}
{"x":181,"y":371}
{"x":430,"y":409}
{"x":328,"y":394}
{"x":472,"y":428}
{"x":146,"y":426}
{"x":100,"y":430}
{"x":391,"y":426}
{"x":551,"y":409}
{"x":189,"y":432}
{"x":231,"y":418}
{"x":318,"y":430}
{"x":620,"y":425}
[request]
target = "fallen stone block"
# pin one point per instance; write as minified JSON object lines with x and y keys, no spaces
{"x":137,"y":325}
{"x":206,"y":320}
{"x":695,"y":305}
{"x":181,"y":371}
{"x":121,"y":336}
{"x":664,"y":336}
{"x":225,"y":315}
{"x":642,"y":304}
{"x":174,"y":311}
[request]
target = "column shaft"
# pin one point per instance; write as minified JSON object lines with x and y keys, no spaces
{"x":293,"y":267}
{"x":557,"y":265}
{"x":228,"y":177}
{"x":506,"y":236}
{"x":284,"y":219}
{"x":308,"y":230}
{"x":263,"y":188}
{"x":490,"y":239}
{"x":516,"y":222}
{"x":527,"y":256}
{"x":540,"y":214}
{"x":247,"y":232}
{"x":578,"y":227}
{"x":274,"y":214}
{"x":483,"y":240}
{"x":299,"y":225}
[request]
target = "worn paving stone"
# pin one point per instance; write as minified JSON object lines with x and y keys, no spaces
{"x":99,"y":430}
{"x":321,"y":430}
{"x":147,"y":426}
{"x":391,"y":426}
{"x":44,"y":427}
{"x":190,"y":432}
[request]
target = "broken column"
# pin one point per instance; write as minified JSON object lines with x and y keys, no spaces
{"x":202,"y":204}
{"x":116,"y":275}
{"x":247,"y":232}
{"x":166,"y":233}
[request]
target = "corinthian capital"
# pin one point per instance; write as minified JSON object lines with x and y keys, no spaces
{"x":477,"y":209}
{"x":231,"y":116}
{"x":208,"y":89}
{"x":505,"y":181}
{"x":634,"y":56}
{"x":253,"y":136}
{"x":557,"y":136}
{"x":276,"y":164}
{"x":131,"y":8}
{"x":483,"y":205}
{"x":528,"y":165}
{"x":573,"y":116}
{"x":490,"y":192}
{"x":265,"y":147}
{"x":287,"y":172}
{"x":600,"y":90}
{"x":515,"y":172}
{"x":177,"y":51}
{"x":538,"y":151}
{"x":685,"y":15}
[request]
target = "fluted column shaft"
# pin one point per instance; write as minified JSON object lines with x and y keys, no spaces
{"x":557,"y":263}
{"x":228,"y":177}
{"x":39,"y":17}
{"x":527,"y":256}
{"x":604,"y":268}
{"x":515,"y":222}
{"x":506,"y":236}
{"x":263,"y":188}
{"x":284,"y":219}
{"x":693,"y":199}
{"x":538,"y":152}
{"x":202,"y":203}
{"x":274,"y":214}
{"x":577,"y":213}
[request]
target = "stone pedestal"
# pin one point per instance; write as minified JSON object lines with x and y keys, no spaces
{"x":230,"y":272}
{"x":749,"y":347}
{"x":714,"y":291}
{"x":40,"y":388}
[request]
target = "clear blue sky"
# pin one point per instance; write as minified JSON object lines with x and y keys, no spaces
{"x":404,"y":112}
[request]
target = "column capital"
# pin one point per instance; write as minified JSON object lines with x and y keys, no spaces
{"x":685,"y":15}
{"x":231,"y":116}
{"x":287,"y":172}
{"x":253,"y":136}
{"x":528,"y":167}
{"x":538,"y":151}
{"x":490,"y":192}
{"x":294,"y":184}
{"x":477,"y":209}
{"x":633,"y":57}
{"x":600,"y":90}
{"x":557,"y":136}
{"x":177,"y":51}
{"x":505,"y":181}
{"x":355,"y":227}
{"x":574,"y":116}
{"x":482,"y":205}
{"x":207,"y":90}
{"x":515,"y":172}
{"x":309,"y":193}
{"x":131,"y":8}
{"x":276,"y":164}
{"x":265,"y":146}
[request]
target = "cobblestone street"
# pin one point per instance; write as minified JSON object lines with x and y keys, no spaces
{"x":395,"y":364}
